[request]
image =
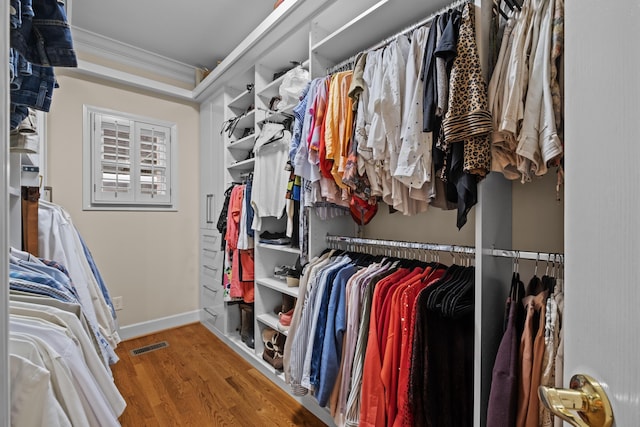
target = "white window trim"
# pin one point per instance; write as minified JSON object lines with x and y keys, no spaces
{"x":87,"y":164}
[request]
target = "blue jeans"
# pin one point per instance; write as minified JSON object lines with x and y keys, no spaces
{"x":35,"y":90}
{"x":44,"y":38}
{"x":18,"y":67}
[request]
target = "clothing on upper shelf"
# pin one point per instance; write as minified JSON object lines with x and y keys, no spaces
{"x":40,"y":38}
{"x":526,"y":90}
{"x":351,"y":339}
{"x":371,"y":132}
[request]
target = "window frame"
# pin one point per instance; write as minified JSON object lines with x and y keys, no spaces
{"x":92,"y":170}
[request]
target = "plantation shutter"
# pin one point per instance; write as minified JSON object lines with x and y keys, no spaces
{"x":113,"y":159}
{"x":153,"y":184}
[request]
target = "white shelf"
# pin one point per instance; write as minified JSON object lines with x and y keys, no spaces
{"x":247,"y":120}
{"x":271,"y":320}
{"x":272,"y":89}
{"x":278,"y":116}
{"x":384,"y":19}
{"x":13,"y":191}
{"x":243,"y":144}
{"x":281,"y":248}
{"x":242,"y":101}
{"x":279,"y":286}
{"x":245,"y":165}
{"x":237,"y":340}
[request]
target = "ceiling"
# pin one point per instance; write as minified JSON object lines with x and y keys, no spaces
{"x":198,"y":33}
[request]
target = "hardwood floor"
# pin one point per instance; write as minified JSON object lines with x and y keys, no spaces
{"x":198,"y":381}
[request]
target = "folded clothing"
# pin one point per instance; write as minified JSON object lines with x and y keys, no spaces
{"x":278,"y":238}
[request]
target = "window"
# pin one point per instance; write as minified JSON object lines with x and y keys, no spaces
{"x":129,"y":161}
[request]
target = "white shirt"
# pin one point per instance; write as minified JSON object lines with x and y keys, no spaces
{"x":270,"y":177}
{"x":33,"y":403}
{"x":60,"y":377}
{"x":75,"y":330}
{"x":415,"y":157}
{"x":97,"y":409}
{"x":58,"y":241}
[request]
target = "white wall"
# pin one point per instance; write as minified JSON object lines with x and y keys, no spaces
{"x":153,"y":261}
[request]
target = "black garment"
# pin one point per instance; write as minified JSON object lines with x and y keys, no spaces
{"x":441,"y":383}
{"x":222,"y":219}
{"x":465,"y":184}
{"x":428,"y":76}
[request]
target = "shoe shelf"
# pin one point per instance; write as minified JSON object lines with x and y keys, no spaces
{"x":271,"y":320}
{"x":243,"y":144}
{"x":281,"y":248}
{"x":278,"y":116}
{"x":245,"y":165}
{"x":271,"y":89}
{"x":237,"y":340}
{"x":278,"y":285}
{"x":242,"y":101}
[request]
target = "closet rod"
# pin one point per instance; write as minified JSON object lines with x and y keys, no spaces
{"x":345,"y":240}
{"x":388,"y":40}
{"x":535,"y":256}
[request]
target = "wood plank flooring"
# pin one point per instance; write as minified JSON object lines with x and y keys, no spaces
{"x":199,"y":381}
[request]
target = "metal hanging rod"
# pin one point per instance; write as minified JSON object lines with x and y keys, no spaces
{"x":393,"y":244}
{"x":425,"y":21}
{"x":535,"y":256}
{"x":350,"y":61}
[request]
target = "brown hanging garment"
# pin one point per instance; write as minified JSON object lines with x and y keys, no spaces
{"x":30,"y":197}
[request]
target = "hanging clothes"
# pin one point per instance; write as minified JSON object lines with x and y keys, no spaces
{"x":468,"y":120}
{"x":350,"y":334}
{"x":270,"y":178}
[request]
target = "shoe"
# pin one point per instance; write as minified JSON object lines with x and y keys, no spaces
{"x":28,"y":125}
{"x":284,"y":321}
{"x":273,"y":352}
{"x":279,"y":238}
{"x":293,"y":275}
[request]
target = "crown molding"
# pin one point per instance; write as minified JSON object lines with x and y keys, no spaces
{"x":126,"y":54}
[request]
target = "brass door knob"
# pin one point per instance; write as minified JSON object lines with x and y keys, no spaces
{"x":585,"y":404}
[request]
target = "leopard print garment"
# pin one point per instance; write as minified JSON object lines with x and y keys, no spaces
{"x":468,"y":118}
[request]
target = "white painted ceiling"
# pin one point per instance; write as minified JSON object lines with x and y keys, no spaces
{"x":195,"y":32}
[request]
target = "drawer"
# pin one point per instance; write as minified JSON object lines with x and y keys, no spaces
{"x":210,"y":275}
{"x":211,"y":257}
{"x":212,"y":295}
{"x":210,"y":240}
{"x":213,"y":318}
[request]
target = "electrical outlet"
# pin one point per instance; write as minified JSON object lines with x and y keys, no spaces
{"x":118,"y":303}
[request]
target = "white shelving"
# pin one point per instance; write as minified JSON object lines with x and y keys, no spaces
{"x":383,"y":19}
{"x":278,"y":285}
{"x":280,"y":248}
{"x":244,"y":144}
{"x":246,"y":121}
{"x":243,"y":166}
{"x":341,"y":30}
{"x":271,"y":320}
{"x":272,"y":89}
{"x":242,"y":101}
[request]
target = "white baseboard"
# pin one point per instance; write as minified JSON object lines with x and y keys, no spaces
{"x":157,"y":325}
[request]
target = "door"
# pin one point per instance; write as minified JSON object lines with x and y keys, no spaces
{"x":602,"y":206}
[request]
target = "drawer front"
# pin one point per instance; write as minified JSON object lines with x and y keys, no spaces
{"x":210,"y":257}
{"x":213,"y":318}
{"x":212,"y":295}
{"x":210,"y":240}
{"x":210,"y":276}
